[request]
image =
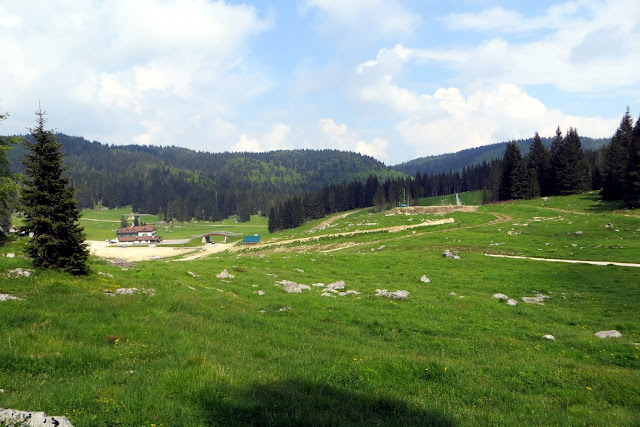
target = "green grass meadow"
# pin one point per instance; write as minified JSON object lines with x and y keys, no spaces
{"x":203,"y":351}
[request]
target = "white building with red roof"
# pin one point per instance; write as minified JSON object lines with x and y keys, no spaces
{"x":138,"y":235}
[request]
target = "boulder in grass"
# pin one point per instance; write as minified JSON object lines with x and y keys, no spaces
{"x":31,"y":418}
{"x":327,"y":294}
{"x":400,"y":294}
{"x":339,"y":285}
{"x":224,"y":274}
{"x":425,"y":279}
{"x":20,"y":272}
{"x":549,"y":337}
{"x":533,"y":300}
{"x":8,"y":297}
{"x":608,"y":334}
{"x":512,"y":302}
{"x":292,"y":288}
{"x":500,"y":296}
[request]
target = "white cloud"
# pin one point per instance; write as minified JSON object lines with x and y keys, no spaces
{"x":363,"y":20}
{"x":276,"y":138}
{"x":339,"y":136}
{"x":497,"y":114}
{"x":145,"y":67}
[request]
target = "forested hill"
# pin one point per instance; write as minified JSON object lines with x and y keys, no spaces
{"x":184,"y":184}
{"x":474,"y":156}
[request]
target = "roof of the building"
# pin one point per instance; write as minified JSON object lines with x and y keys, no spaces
{"x":251,"y":239}
{"x":126,"y":239}
{"x":136,"y":229}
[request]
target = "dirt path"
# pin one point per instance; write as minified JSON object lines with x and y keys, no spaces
{"x":570,"y":261}
{"x":135,"y":253}
{"x":207,"y":250}
{"x":327,"y":222}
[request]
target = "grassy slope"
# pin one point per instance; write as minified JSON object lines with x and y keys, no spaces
{"x":207,"y":356}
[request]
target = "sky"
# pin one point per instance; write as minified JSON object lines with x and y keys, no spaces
{"x":395,"y":80}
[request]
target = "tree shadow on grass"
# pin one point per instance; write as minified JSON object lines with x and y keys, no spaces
{"x":299,"y":403}
{"x":601,"y":206}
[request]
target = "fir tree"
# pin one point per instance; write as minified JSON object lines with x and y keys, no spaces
{"x":538,"y":159}
{"x":50,"y":208}
{"x":616,"y":157}
{"x":571,"y":170}
{"x":123,"y":222}
{"x":632,"y":185}
{"x":513,"y":182}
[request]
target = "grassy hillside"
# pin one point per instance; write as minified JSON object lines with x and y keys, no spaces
{"x":208,"y":351}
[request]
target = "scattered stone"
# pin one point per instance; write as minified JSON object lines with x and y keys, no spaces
{"x":425,"y":279}
{"x":292,"y":288}
{"x":10,"y":255}
{"x":192,"y":274}
{"x":191,"y":287}
{"x":299,"y":270}
{"x":130,"y":291}
{"x":512,"y":302}
{"x":327,"y":294}
{"x":608,"y":334}
{"x":456,"y":257}
{"x":336,"y":285}
{"x":259,"y":293}
{"x":453,"y":294}
{"x":329,"y":290}
{"x":30,"y":418}
{"x":402,"y":295}
{"x":255,"y":286}
{"x":352,"y":292}
{"x":574,"y":245}
{"x":313,"y":260}
{"x":533,"y":300}
{"x":7,"y":297}
{"x":545,"y":199}
{"x":262,"y":311}
{"x":381,"y":247}
{"x":500,"y":296}
{"x":225,"y":275}
{"x":304,"y":287}
{"x":447,"y":254}
{"x":120,"y":263}
{"x":20,"y":272}
{"x":549,"y":337}
{"x":578,"y":233}
{"x":100,"y":273}
{"x":285,"y":309}
{"x":318,"y":285}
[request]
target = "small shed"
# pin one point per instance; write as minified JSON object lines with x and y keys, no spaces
{"x":251,"y":240}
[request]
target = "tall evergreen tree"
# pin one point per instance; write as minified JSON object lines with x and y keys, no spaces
{"x":571,"y":170}
{"x":538,"y":159}
{"x":632,"y":185}
{"x":616,"y":157}
{"x":513,"y":182}
{"x":49,"y":206}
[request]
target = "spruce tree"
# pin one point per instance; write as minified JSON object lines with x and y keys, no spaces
{"x":632,"y":185}
{"x":538,"y":160}
{"x":572,"y":170}
{"x":616,"y":157}
{"x":50,"y":207}
{"x":513,"y":181}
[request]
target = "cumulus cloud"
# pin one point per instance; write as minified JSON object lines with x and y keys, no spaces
{"x":340,"y":137}
{"x":501,"y":113}
{"x":276,"y":138}
{"x":147,"y":67}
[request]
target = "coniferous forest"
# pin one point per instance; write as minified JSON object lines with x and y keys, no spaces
{"x":291,"y":186}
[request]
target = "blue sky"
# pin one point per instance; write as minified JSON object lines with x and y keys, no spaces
{"x":392,"y":79}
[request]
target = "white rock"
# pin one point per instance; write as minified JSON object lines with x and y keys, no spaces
{"x":533,"y":300}
{"x":262,"y":311}
{"x":453,"y":294}
{"x":285,"y":309}
{"x":304,"y":287}
{"x":327,"y":294}
{"x":10,"y":255}
{"x":225,"y":275}
{"x":330,"y":290}
{"x":126,"y":291}
{"x":299,"y":270}
{"x":100,"y":273}
{"x":193,"y":274}
{"x":342,"y":294}
{"x":512,"y":302}
{"x":500,"y":296}
{"x":402,"y":295}
{"x":549,"y":337}
{"x":336,"y":285}
{"x":292,"y":289}
{"x":20,"y":272}
{"x":259,"y":293}
{"x":191,"y":287}
{"x":608,"y":334}
{"x":317,"y":285}
{"x":425,"y":279}
{"x":456,"y":257}
{"x":352,"y":292}
{"x":7,"y":297}
{"x":32,"y":418}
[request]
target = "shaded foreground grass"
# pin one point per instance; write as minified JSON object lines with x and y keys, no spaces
{"x":201,"y":352}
